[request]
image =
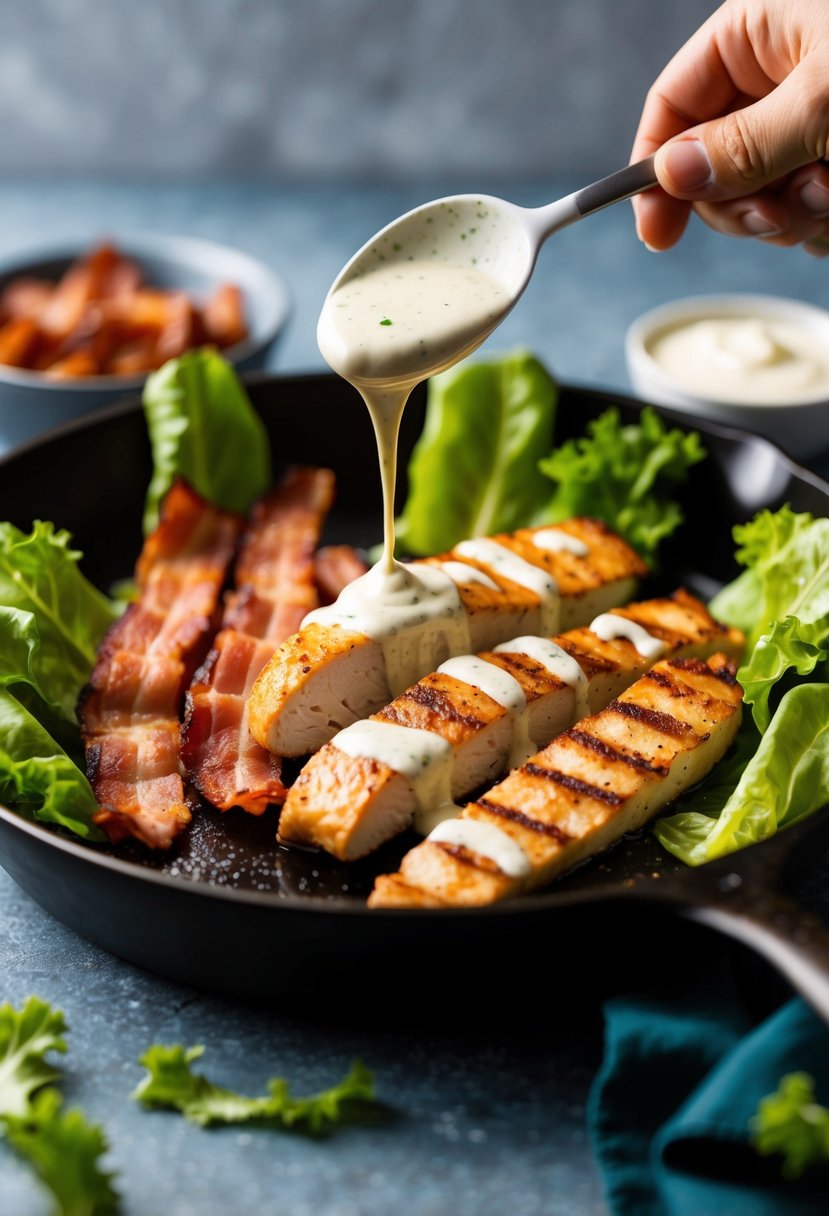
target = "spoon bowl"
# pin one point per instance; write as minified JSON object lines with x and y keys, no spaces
{"x":488,"y":239}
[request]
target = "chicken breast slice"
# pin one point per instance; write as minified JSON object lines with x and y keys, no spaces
{"x":606,"y":776}
{"x":351,"y":804}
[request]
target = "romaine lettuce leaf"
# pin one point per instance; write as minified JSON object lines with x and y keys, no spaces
{"x":39,"y":576}
{"x":37,"y":777}
{"x":786,"y":779}
{"x":474,"y":470}
{"x":202,"y":427}
{"x":787,"y":560}
{"x":626,"y":475}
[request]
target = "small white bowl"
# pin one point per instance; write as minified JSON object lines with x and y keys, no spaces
{"x":800,"y":425}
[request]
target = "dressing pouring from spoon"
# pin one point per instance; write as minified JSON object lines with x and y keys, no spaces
{"x":430,"y":287}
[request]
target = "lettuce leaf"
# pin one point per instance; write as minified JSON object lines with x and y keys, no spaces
{"x":62,"y":1147}
{"x":791,"y":1122}
{"x":37,"y":777}
{"x":171,"y":1083}
{"x":781,"y":601}
{"x":474,"y":470}
{"x":39,"y":575}
{"x":626,"y":475}
{"x":785,"y":780}
{"x":202,"y":427}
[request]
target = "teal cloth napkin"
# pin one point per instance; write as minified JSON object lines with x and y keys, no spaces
{"x":669,"y":1110}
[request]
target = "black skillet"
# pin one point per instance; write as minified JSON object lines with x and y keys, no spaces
{"x":229,"y":910}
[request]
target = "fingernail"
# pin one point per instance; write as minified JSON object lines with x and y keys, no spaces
{"x":687,"y":165}
{"x":815,"y":198}
{"x":756,"y":224}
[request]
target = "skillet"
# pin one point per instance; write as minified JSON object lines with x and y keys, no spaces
{"x":230,"y":911}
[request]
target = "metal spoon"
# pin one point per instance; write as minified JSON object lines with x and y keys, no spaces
{"x":487,"y":234}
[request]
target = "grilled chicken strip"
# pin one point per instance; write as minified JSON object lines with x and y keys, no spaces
{"x":350,"y":804}
{"x":275,"y":589}
{"x":326,"y":677}
{"x":129,"y":712}
{"x":602,"y":778}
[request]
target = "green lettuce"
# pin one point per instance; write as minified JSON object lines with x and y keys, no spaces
{"x":171,"y":1083}
{"x":626,"y":475}
{"x":792,"y":1123}
{"x":474,"y":470}
{"x":46,"y":654}
{"x":778,"y":769}
{"x":39,"y":575}
{"x":786,"y":779}
{"x":203,"y":428}
{"x":62,"y":1147}
{"x":781,"y":602}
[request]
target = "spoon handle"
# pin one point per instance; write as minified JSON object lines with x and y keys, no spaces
{"x":620,"y":185}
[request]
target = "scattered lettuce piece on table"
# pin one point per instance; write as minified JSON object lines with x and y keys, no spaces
{"x":626,"y":475}
{"x":63,"y":1148}
{"x":474,"y":470}
{"x":171,"y":1083}
{"x":26,"y":1035}
{"x":791,"y":1122}
{"x":202,"y":427}
{"x":785,"y":780}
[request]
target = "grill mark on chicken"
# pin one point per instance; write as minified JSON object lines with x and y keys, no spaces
{"x":607,"y":752}
{"x":574,"y":784}
{"x":434,"y":699}
{"x":525,"y":821}
{"x":656,"y":719}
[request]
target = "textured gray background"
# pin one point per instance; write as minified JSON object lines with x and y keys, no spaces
{"x":340,"y":89}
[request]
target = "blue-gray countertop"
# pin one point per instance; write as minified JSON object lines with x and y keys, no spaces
{"x":483,"y":1123}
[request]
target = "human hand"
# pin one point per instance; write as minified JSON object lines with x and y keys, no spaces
{"x":739,"y":121}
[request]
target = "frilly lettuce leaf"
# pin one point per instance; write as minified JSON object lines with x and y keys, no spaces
{"x":171,"y":1083}
{"x":61,"y":1146}
{"x":626,"y":475}
{"x":786,"y":779}
{"x":203,"y":428}
{"x":793,"y":1123}
{"x":474,"y":470}
{"x":39,"y":575}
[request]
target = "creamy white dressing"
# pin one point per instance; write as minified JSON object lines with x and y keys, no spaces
{"x":609,"y":626}
{"x":755,"y":360}
{"x":488,"y":840}
{"x":384,"y":330}
{"x":506,"y":691}
{"x":557,"y":541}
{"x":414,"y":612}
{"x":509,"y":565}
{"x":424,"y":759}
{"x":558,"y":662}
{"x":464,"y":575}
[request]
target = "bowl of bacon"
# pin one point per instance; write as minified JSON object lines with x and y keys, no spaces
{"x":81,"y":328}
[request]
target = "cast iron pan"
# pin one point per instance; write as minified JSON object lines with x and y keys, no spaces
{"x":230,"y":910}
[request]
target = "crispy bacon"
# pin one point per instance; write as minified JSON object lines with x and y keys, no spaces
{"x":129,"y":712}
{"x":275,"y":590}
{"x":335,"y":567}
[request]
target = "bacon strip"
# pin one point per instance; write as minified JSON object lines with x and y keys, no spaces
{"x":335,"y":567}
{"x":275,"y":581}
{"x":129,"y":712}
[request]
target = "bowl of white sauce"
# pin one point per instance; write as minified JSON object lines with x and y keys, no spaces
{"x":757,"y":362}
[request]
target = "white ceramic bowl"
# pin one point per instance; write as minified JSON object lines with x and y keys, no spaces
{"x":30,"y":402}
{"x":800,"y":426}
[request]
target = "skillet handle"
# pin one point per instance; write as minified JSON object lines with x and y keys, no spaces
{"x":741,"y":897}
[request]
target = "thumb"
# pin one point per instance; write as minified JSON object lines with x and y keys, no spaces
{"x":740,"y":153}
